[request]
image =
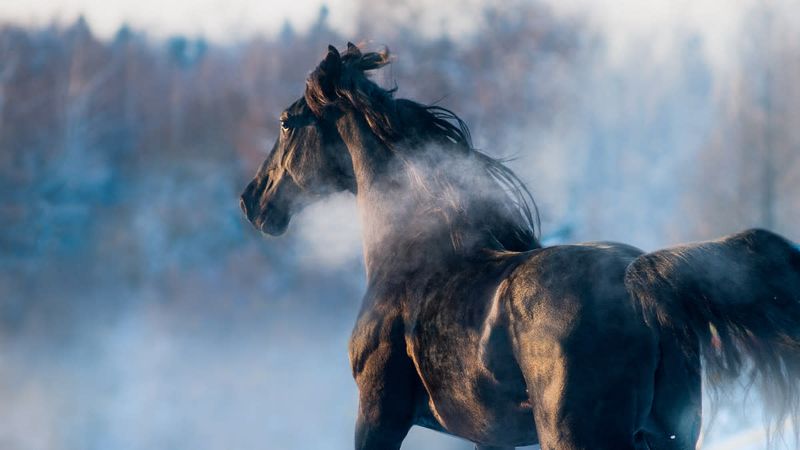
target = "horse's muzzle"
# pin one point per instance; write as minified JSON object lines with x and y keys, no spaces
{"x":243,"y":205}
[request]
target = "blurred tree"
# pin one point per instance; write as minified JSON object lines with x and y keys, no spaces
{"x":755,"y":143}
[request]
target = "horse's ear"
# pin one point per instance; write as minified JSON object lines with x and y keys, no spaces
{"x":332,"y":64}
{"x":353,"y":50}
{"x":321,"y":83}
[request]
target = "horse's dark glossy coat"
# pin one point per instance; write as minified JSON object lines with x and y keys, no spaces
{"x":469,"y":327}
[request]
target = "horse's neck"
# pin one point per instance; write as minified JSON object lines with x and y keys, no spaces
{"x":394,"y":239}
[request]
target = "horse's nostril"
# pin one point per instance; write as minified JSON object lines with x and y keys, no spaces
{"x":243,"y":205}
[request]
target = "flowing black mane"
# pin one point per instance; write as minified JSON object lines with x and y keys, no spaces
{"x":497,"y":203}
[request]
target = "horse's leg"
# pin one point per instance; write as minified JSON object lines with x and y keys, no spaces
{"x":590,"y":384}
{"x":385,"y":410}
{"x":388,"y":388}
{"x":674,"y":422}
{"x":382,"y":435}
{"x":579,"y":407}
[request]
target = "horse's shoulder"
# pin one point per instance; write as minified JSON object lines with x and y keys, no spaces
{"x":380,"y":328}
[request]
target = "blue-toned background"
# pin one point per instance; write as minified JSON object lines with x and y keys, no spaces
{"x":138,"y":310}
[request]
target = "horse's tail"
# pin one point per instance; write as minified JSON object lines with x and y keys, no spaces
{"x":737,"y":299}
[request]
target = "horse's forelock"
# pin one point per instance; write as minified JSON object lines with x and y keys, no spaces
{"x":343,"y":77}
{"x":315,"y":96}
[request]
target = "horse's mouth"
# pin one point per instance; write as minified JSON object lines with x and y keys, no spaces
{"x":273,"y":224}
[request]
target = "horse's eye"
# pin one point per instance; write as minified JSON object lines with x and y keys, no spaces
{"x":285,"y":125}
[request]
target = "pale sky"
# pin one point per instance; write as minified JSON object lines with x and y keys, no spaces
{"x":624,"y":22}
{"x":221,"y":19}
{"x":216,"y":19}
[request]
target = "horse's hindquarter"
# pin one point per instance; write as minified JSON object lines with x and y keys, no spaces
{"x":588,"y":357}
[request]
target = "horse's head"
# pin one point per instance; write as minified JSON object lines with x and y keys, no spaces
{"x":309,"y":159}
{"x":307,"y":162}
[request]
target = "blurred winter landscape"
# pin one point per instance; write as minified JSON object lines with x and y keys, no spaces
{"x":139,"y":310}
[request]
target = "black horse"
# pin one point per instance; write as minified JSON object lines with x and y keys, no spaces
{"x":470,"y":327}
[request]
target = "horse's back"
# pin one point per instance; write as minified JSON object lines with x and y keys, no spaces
{"x":582,"y":345}
{"x":570,"y":289}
